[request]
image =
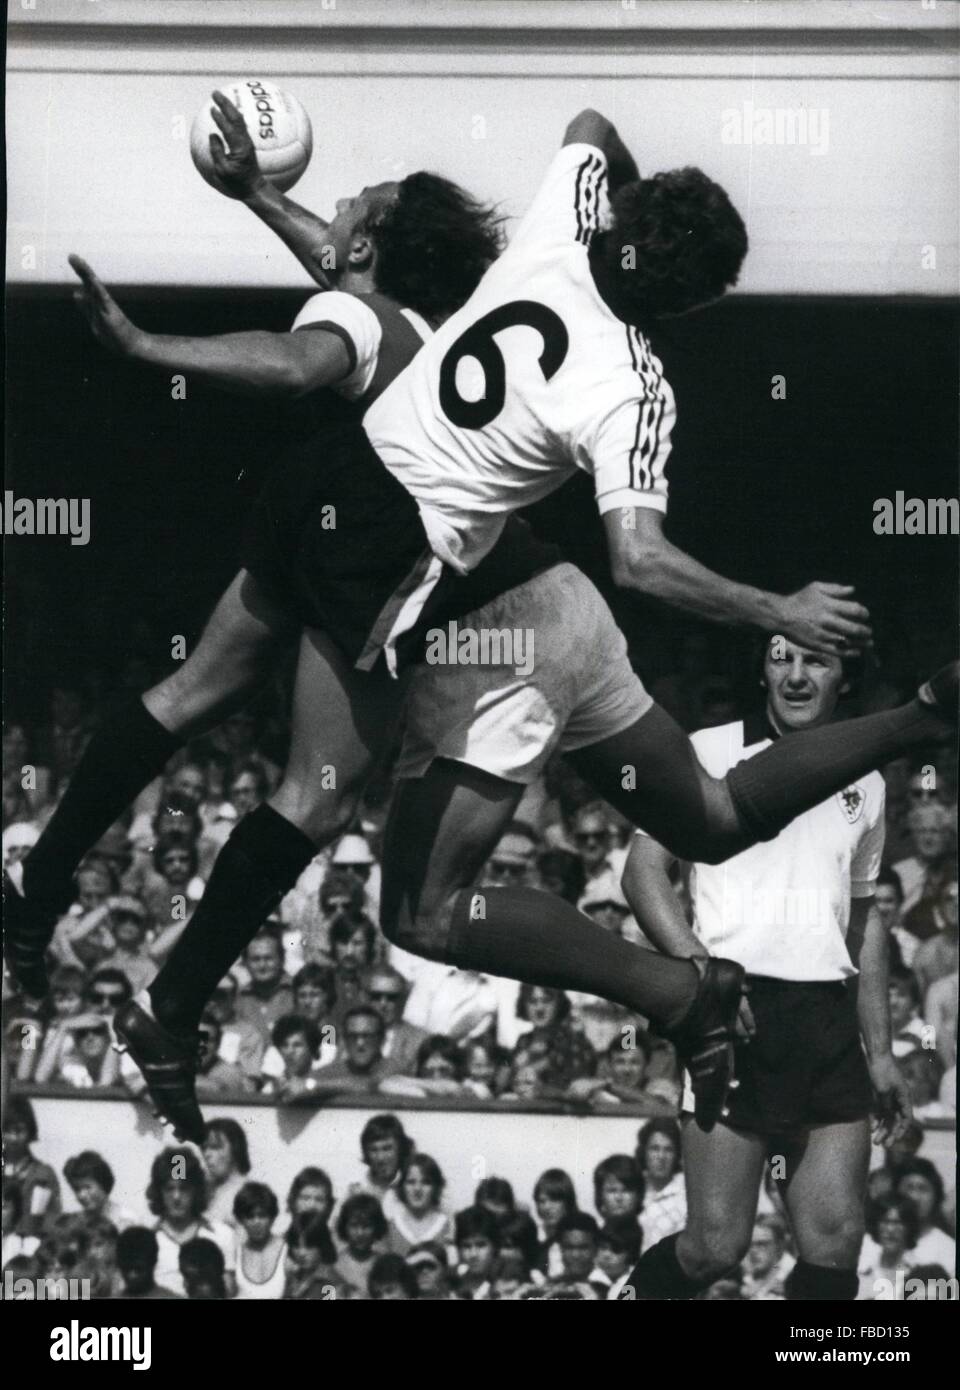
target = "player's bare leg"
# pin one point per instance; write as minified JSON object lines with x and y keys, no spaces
{"x":442,"y":828}
{"x":825,"y":1192}
{"x":342,"y":722}
{"x":723,"y":1170}
{"x":235,"y":653}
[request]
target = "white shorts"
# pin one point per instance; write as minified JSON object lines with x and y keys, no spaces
{"x":541,"y":669}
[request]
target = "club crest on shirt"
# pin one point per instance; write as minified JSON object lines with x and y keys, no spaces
{"x":852,"y":801}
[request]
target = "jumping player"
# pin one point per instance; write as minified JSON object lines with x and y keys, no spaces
{"x":798,"y":914}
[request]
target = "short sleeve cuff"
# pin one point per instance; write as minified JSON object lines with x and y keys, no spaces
{"x":631,"y":497}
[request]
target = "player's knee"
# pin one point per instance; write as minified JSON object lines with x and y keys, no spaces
{"x":714,"y":1247}
{"x":835,"y":1238}
{"x":323,"y":818}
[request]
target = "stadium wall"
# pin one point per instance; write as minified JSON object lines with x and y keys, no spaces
{"x":862,"y":201}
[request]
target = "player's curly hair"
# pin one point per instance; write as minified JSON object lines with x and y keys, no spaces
{"x":677,"y":242}
{"x":434,"y":244}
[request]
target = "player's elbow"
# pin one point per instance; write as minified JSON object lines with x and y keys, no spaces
{"x":633,"y":568}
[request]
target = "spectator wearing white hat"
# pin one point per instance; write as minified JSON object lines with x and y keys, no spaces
{"x":18,"y":838}
{"x":354,"y":856}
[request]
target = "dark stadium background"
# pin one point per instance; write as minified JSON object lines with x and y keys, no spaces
{"x":775,"y":493}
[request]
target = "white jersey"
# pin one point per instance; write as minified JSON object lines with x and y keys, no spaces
{"x":782,"y":908}
{"x":533,"y":379}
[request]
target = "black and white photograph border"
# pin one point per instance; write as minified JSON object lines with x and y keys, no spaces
{"x":479,"y":746}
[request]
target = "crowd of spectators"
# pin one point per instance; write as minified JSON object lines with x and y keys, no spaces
{"x":321,"y":1006}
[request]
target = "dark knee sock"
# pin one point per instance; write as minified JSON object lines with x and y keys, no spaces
{"x":258,"y":865}
{"x":532,"y":936}
{"x":119,"y":761}
{"x":808,"y":1283}
{"x":803,"y":769}
{"x":660,"y":1275}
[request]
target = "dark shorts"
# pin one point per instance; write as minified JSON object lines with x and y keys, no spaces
{"x":336,"y":541}
{"x":805,"y":1066}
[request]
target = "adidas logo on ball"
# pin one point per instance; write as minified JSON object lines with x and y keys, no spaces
{"x":264,"y":109}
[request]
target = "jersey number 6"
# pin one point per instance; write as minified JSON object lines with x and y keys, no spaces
{"x":477,"y":341}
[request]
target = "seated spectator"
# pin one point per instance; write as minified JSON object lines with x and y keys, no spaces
{"x":419,"y":1216}
{"x":888,"y":900}
{"x":268,"y":996}
{"x":82,"y":936}
{"x":63,"y":1252}
{"x":317,"y":898}
{"x":311,"y":1191}
{"x":513,"y":861}
{"x":439,"y":1071}
{"x":312,"y":1272}
{"x":618,"y":1194}
{"x":554,"y":1198}
{"x":39,"y":1188}
{"x":171,"y":898}
{"x":385,"y":990}
{"x":176,"y":816}
{"x":102,"y":1236}
{"x":594,"y":840}
{"x":241,"y":1043}
{"x":940,"y":1012}
{"x":617,"y":1253}
{"x":477,"y":1238}
{"x":568,"y":1054}
{"x":577,"y":1238}
{"x":508,"y":1277}
{"x":906,"y":1025}
{"x":296,"y":1041}
{"x":177,"y":1197}
{"x":202,"y":1269}
{"x":226,"y":1159}
{"x":888,"y":1246}
{"x":923,"y":872}
{"x":767,"y":1262}
{"x":84,"y":1058}
{"x":938,"y":956}
{"x":518,"y":1235}
{"x":14,"y":1244}
{"x":314,"y":1000}
{"x":390,"y":1280}
{"x":385,"y":1147}
{"x":260,"y":1254}
{"x":249,"y":786}
{"x":107,"y":990}
{"x":431,"y":1270}
{"x":67,"y":987}
{"x":353,"y":940}
{"x":92,"y":1181}
{"x":137,"y":1257}
{"x":487,"y":1069}
{"x":215,"y":1077}
{"x":361,"y":1067}
{"x":353,"y":856}
{"x":920,"y":1182}
{"x":664,"y":1209}
{"x":496,"y":1195}
{"x":622,"y":1078}
{"x":923,"y":1071}
{"x":362,"y":1231}
{"x":127,"y":924}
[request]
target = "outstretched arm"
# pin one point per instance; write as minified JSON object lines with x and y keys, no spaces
{"x":590,"y":128}
{"x":825,"y":617}
{"x":235,"y":161}
{"x":271,"y":363}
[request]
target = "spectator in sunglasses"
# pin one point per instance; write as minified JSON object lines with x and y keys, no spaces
{"x":513,"y":863}
{"x":215,"y":1077}
{"x":84,"y":1058}
{"x":241,"y":1043}
{"x":593,"y":837}
{"x":106,"y":990}
{"x":385,"y":990}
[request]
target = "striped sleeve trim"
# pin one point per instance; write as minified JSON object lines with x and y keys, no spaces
{"x":591,"y":179}
{"x":651,"y":409}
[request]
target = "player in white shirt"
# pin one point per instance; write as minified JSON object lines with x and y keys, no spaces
{"x":815,"y":1056}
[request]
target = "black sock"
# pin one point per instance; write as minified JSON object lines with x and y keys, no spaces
{"x":660,"y":1275}
{"x":258,"y":865}
{"x":124,"y":755}
{"x":532,"y":936}
{"x":808,"y":1283}
{"x":802,"y":769}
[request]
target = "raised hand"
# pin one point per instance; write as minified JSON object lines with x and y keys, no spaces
{"x":235,"y":156}
{"x":108,"y":323}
